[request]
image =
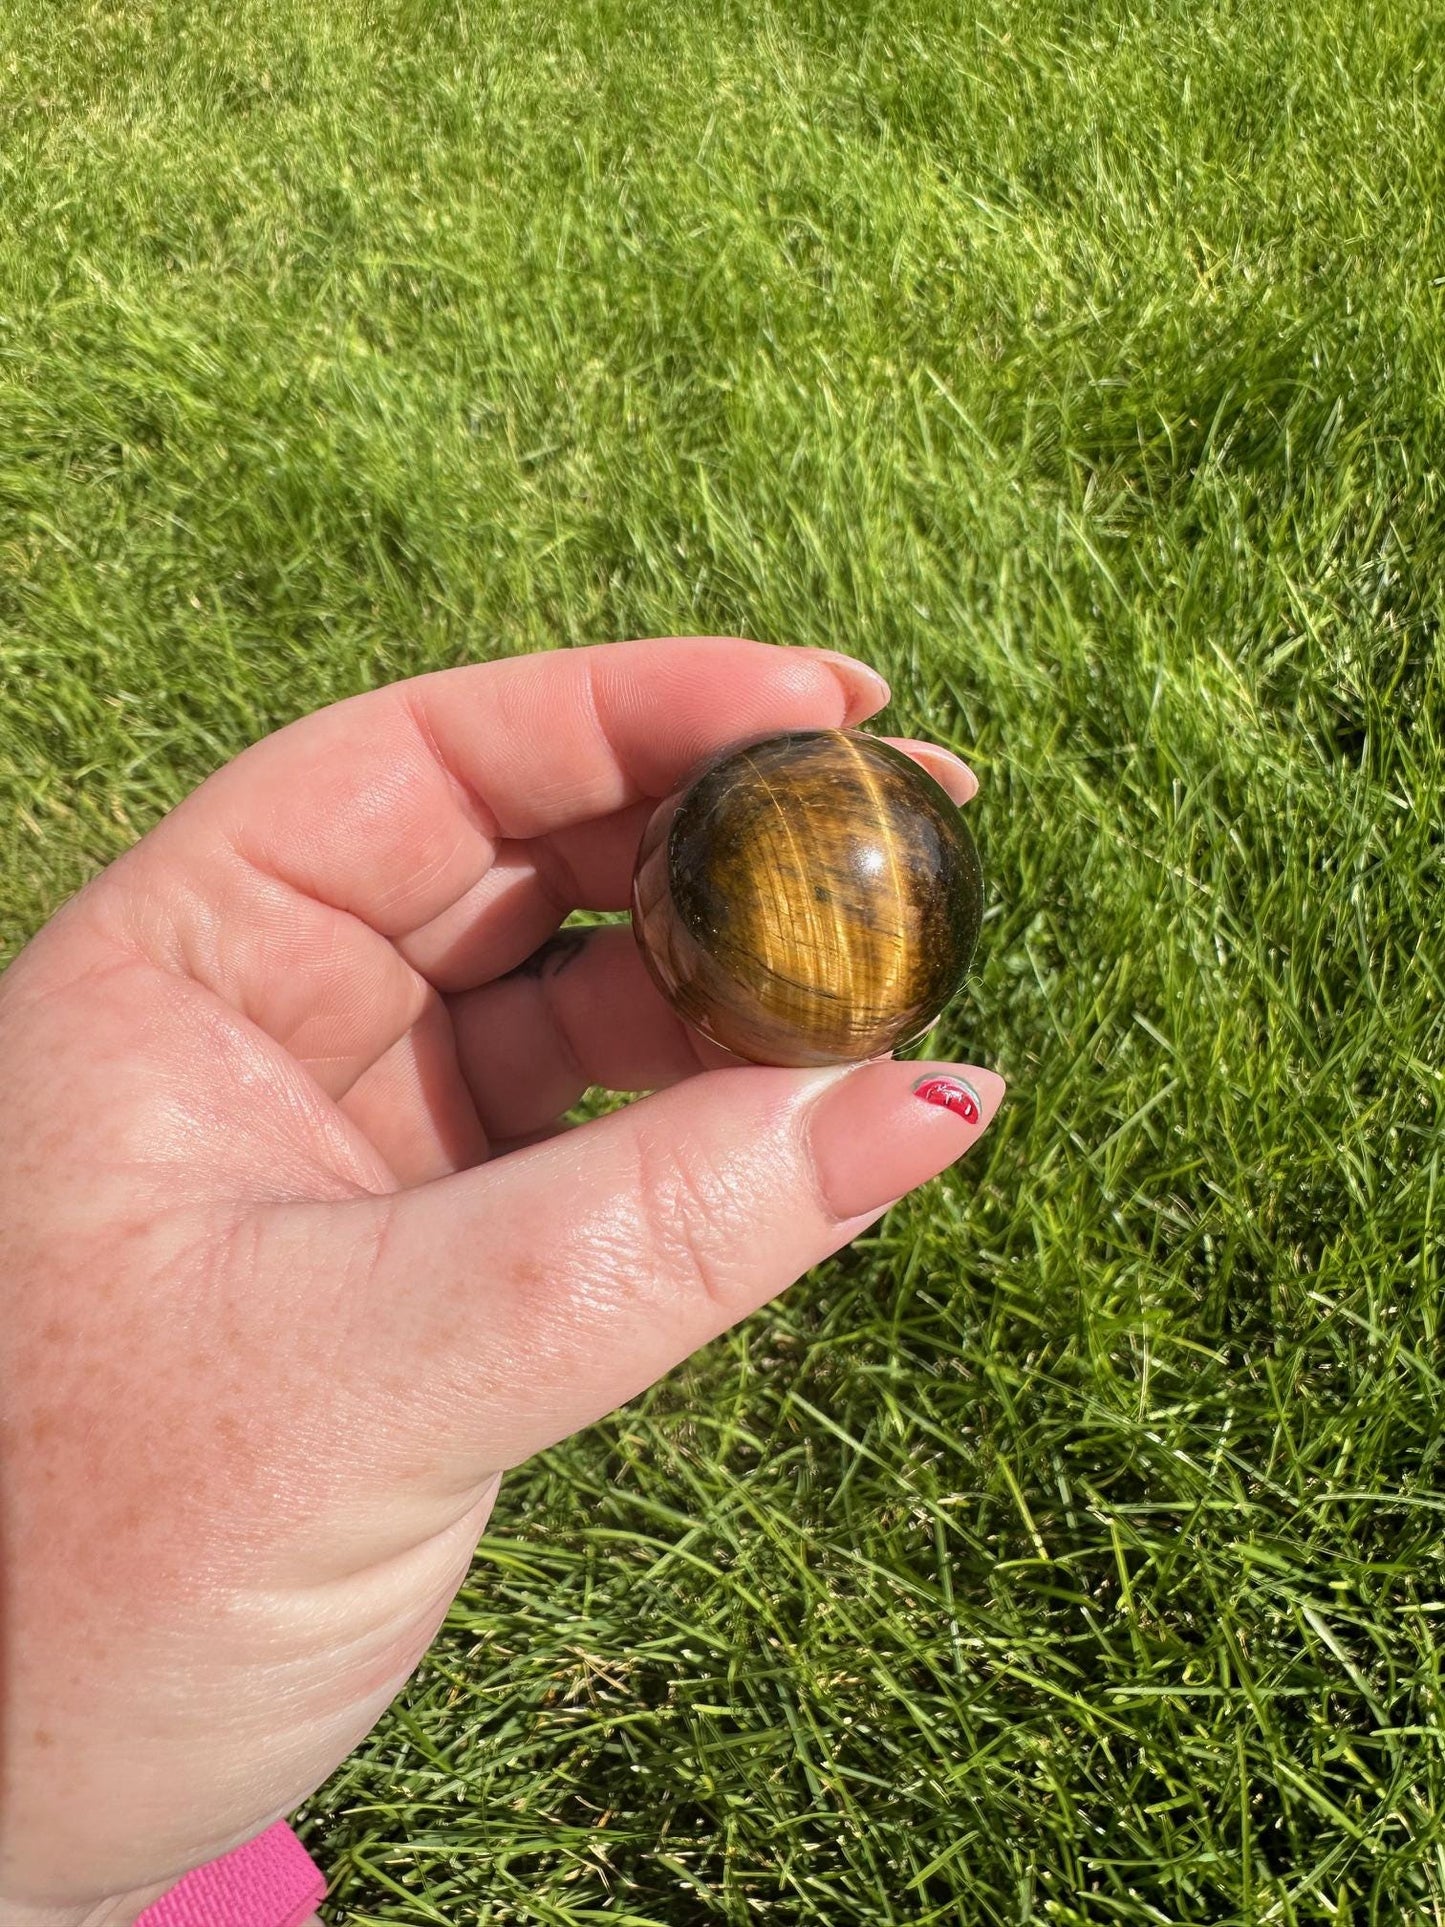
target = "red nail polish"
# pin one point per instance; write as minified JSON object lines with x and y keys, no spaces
{"x":953,"y":1094}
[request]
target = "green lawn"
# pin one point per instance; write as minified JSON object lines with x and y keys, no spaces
{"x":1070,"y":1549}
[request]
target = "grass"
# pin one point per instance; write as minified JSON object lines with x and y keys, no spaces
{"x":1068,"y":1551}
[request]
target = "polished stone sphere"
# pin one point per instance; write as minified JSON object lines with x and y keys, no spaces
{"x":812,"y":897}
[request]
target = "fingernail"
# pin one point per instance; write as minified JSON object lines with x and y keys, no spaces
{"x":888,"y":1126}
{"x":953,"y":1094}
{"x":866,"y":690}
{"x":942,"y":765}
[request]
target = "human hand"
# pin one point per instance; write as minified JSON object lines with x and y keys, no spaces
{"x":296,"y":1258}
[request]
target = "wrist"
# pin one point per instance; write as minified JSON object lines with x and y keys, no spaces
{"x":122,"y":1910}
{"x":270,"y":1880}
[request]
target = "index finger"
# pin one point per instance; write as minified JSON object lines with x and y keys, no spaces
{"x":389,"y":805}
{"x":284,"y":884}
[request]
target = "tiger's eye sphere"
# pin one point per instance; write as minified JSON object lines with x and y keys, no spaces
{"x":810,"y":898}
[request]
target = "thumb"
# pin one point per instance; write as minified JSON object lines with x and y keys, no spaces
{"x":527,"y":1297}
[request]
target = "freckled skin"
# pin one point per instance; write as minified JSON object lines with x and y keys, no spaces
{"x":158,"y":1471}
{"x":813,"y":898}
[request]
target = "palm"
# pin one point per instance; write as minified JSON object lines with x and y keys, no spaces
{"x":152,"y":1421}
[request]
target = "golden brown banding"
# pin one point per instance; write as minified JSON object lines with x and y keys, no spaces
{"x":810,"y":898}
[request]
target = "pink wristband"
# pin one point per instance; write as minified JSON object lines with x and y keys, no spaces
{"x":270,"y":1882}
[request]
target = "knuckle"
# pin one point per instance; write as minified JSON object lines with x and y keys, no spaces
{"x":688,"y":1209}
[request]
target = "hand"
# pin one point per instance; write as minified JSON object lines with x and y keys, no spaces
{"x":297,"y":1259}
